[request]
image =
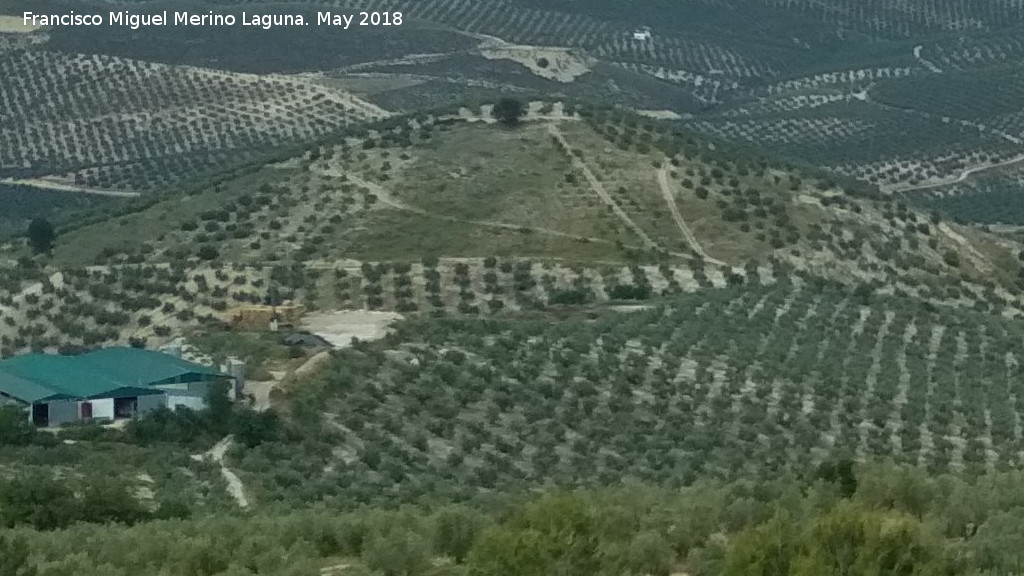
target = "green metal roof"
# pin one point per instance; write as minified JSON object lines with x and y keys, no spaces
{"x":107,"y":373}
{"x":147,"y":367}
{"x":26,"y":390}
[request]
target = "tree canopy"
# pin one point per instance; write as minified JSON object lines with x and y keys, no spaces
{"x":508,"y":111}
{"x":41,"y":235}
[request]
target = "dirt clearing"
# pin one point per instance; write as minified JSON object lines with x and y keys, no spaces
{"x":560,"y":64}
{"x":339,"y":328}
{"x":15,"y":25}
{"x":660,"y":114}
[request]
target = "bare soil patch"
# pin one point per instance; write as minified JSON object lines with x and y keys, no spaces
{"x":339,"y":328}
{"x":660,"y":114}
{"x":15,"y":25}
{"x":559,"y":64}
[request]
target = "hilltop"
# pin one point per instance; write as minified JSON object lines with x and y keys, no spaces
{"x":455,"y":213}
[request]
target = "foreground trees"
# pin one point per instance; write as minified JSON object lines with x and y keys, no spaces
{"x":14,"y":558}
{"x":849,"y":540}
{"x":747,"y":528}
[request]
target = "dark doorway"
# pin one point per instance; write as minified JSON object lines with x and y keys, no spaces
{"x":41,"y":415}
{"x":86,"y":410}
{"x":125,"y":407}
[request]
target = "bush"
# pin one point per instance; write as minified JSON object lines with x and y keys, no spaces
{"x":951,"y":258}
{"x":207,"y":252}
{"x":252,"y":428}
{"x":106,"y":500}
{"x":15,"y":429}
{"x":558,"y":534}
{"x":456,"y":530}
{"x":37,"y":500}
{"x":397,"y":553}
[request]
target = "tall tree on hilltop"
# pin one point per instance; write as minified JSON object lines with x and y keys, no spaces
{"x":508,"y":111}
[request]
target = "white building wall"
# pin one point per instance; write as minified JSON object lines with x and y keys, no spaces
{"x":102,"y":408}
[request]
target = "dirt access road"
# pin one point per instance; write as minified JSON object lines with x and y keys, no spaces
{"x":235,"y":487}
{"x":598,"y":188}
{"x":63,"y":187}
{"x":338,"y":328}
{"x":666,"y":191}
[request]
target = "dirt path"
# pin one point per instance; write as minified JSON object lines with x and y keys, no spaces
{"x":260,"y":390}
{"x":60,"y":187}
{"x":964,"y":175}
{"x":235,"y":487}
{"x":338,"y":328}
{"x":926,"y":63}
{"x":691,"y":239}
{"x":314,"y":362}
{"x":598,"y":188}
{"x":407,"y":60}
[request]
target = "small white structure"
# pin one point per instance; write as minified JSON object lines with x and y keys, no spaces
{"x":642,"y":35}
{"x":173,"y":348}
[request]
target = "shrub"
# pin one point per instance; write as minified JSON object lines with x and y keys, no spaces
{"x":207,"y":252}
{"x":397,"y":553}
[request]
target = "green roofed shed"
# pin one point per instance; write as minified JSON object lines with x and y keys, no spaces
{"x":107,"y":373}
{"x":63,"y":375}
{"x":147,"y":367}
{"x":27,"y":391}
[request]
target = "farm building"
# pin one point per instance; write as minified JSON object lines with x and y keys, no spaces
{"x":108,"y":384}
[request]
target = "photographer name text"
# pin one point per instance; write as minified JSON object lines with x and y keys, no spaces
{"x":265,"y":21}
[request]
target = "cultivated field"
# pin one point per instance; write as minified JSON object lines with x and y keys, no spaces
{"x":838,"y":101}
{"x":112,"y":123}
{"x":727,"y":383}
